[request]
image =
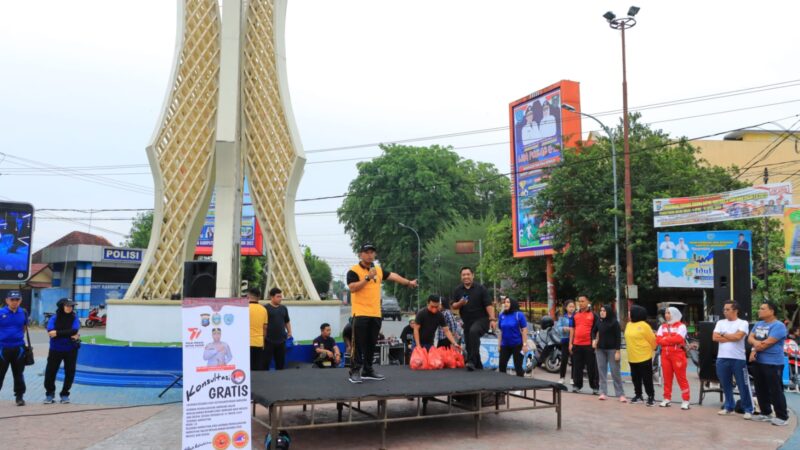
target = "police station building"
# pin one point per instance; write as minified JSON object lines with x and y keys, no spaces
{"x":88,"y":269}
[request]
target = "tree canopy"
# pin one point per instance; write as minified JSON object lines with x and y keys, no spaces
{"x":320,"y":272}
{"x":426,"y":188}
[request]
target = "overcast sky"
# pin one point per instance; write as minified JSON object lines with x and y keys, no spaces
{"x":82,"y":83}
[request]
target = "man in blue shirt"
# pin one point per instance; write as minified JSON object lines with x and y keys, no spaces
{"x":767,"y":337}
{"x":12,"y":343}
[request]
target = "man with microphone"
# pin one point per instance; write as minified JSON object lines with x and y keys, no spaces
{"x":364,"y":280}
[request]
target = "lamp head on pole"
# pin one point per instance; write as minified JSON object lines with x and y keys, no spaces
{"x":609,"y":16}
{"x":567,"y":107}
{"x":633,"y":10}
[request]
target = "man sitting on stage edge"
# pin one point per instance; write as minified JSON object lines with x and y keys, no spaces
{"x":477,"y":312}
{"x":328,"y":356}
{"x":428,"y":321}
{"x":364,"y":280}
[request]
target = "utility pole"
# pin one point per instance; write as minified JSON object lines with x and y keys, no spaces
{"x":766,"y":243}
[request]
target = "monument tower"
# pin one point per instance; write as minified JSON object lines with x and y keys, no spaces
{"x":227,"y":115}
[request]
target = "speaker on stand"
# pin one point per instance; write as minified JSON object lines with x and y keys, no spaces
{"x":732,"y":281}
{"x":199,"y":279}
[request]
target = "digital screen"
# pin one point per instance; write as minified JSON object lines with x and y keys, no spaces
{"x":16,"y":229}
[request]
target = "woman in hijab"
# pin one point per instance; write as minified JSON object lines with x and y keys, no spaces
{"x":63,"y":331}
{"x":607,"y":351}
{"x":671,"y":337}
{"x":512,"y":336}
{"x":641,"y":342}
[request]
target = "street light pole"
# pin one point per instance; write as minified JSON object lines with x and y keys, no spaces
{"x":766,"y":244}
{"x":419,"y":252}
{"x":622,"y":24}
{"x":610,"y":134}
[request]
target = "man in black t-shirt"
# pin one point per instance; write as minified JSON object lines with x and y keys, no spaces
{"x":278,"y":330}
{"x":328,"y":356}
{"x":407,"y":336}
{"x":428,"y":321}
{"x":475,"y":306}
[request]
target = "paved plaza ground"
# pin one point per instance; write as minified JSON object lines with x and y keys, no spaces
{"x":103,"y":418}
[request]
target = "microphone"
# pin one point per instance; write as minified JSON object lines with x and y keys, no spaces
{"x":372,"y":266}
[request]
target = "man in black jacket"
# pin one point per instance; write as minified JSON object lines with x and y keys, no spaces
{"x":473,"y":302}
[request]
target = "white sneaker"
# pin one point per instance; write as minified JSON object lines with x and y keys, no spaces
{"x":761,"y":418}
{"x":684,"y":405}
{"x":724,"y":412}
{"x":664,"y":404}
{"x":779,"y":422}
{"x":747,"y":416}
{"x":560,"y":381}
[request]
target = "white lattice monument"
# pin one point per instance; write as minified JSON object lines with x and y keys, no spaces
{"x":227,"y":114}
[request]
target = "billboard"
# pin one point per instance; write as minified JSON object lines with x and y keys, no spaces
{"x":252,"y":241}
{"x":16,"y":228}
{"x":791,"y":237}
{"x":538,"y":132}
{"x":686,"y":259}
{"x":747,"y":203}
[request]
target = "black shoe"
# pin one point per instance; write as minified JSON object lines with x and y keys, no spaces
{"x":651,"y":402}
{"x":470,"y":366}
{"x":355,"y":377}
{"x":576,"y":390}
{"x":636,"y":400}
{"x":20,"y":401}
{"x":372,"y":375}
{"x":595,"y":392}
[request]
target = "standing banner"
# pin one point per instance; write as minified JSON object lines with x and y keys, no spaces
{"x":216,"y":373}
{"x":538,"y":133}
{"x":791,"y":237}
{"x":686,"y":259}
{"x":747,"y":203}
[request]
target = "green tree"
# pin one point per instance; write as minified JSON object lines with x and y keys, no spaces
{"x":427,"y":188}
{"x":320,"y":272}
{"x":141,"y":228}
{"x":579,"y":200}
{"x":441,"y":265}
{"x":518,"y":277}
{"x":252,"y":270}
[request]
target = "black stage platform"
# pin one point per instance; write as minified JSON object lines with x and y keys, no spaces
{"x":465,"y":393}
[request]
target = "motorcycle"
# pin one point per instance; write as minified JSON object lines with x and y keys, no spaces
{"x":47,"y":317}
{"x":95,"y":318}
{"x":547,"y":344}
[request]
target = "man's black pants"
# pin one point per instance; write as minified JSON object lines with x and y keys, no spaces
{"x":276,"y":352}
{"x":54,"y":360}
{"x":583,"y":356}
{"x":13,"y":357}
{"x":769,"y":389}
{"x":365,"y":338}
{"x":257,"y":358}
{"x":473,"y":331}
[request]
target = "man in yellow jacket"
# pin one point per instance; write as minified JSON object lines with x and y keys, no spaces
{"x":641,"y":341}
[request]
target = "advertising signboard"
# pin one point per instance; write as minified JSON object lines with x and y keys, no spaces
{"x":756,"y":201}
{"x":538,"y":132}
{"x":686,"y":259}
{"x":216,"y":373}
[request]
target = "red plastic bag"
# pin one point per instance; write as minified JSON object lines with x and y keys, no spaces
{"x":419,"y":359}
{"x":459,"y":358}
{"x":449,"y":358}
{"x":435,"y":359}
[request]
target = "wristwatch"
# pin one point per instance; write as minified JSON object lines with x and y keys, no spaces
{"x":366,"y":278}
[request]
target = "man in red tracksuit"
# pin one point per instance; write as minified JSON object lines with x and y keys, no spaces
{"x":671,"y":336}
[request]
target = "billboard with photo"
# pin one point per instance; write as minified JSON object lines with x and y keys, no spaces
{"x":751,"y":202}
{"x":538,"y":132}
{"x":686,"y":259}
{"x":252,"y":241}
{"x":791,"y":237}
{"x":16,"y":229}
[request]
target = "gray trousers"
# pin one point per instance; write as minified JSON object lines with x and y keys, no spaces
{"x":605,"y":358}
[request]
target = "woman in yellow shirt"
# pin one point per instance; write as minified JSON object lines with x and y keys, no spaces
{"x":641,"y":341}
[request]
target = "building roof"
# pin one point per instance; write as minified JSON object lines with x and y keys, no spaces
{"x":80,"y":238}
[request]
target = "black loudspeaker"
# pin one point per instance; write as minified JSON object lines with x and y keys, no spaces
{"x":732,"y":281}
{"x":199,"y":279}
{"x":708,"y":351}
